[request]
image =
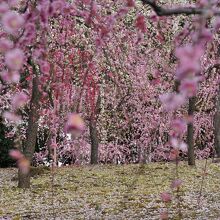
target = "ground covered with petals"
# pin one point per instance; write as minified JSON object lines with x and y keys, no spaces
{"x":112,"y":192}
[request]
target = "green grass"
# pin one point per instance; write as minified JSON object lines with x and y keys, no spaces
{"x":112,"y":192}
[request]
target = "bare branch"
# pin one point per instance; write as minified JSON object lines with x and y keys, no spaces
{"x":161,"y":11}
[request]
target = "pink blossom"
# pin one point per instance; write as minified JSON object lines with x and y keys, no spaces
{"x":183,"y":146}
{"x":16,"y":154}
{"x":172,"y":101}
{"x":19,"y":100}
{"x":57,"y":6}
{"x":29,"y":33}
{"x":12,"y":22}
{"x":93,"y":12}
{"x":206,"y":35}
{"x":166,"y":197}
{"x":37,"y":53}
{"x":104,"y":31}
{"x":189,"y":87}
{"x":14,"y":59}
{"x":30,"y":28}
{"x":13,"y":3}
{"x":45,"y":67}
{"x":203,"y":3}
{"x":177,"y":144}
{"x":44,"y":12}
{"x":178,"y":127}
{"x":86,"y":2}
{"x":75,"y":124}
{"x":155,"y":81}
{"x":174,"y":154}
{"x":217,"y":23}
{"x":140,"y":23}
{"x":160,"y":37}
{"x":24,"y":165}
{"x":176,"y":183}
{"x":10,"y":134}
{"x":22,"y":162}
{"x":122,"y":12}
{"x":154,"y":17}
{"x":110,"y":21}
{"x":5,"y":45}
{"x":12,"y":117}
{"x":53,"y":145}
{"x":164,"y":215}
{"x":130,"y":3}
{"x":140,"y":37}
{"x":99,"y":42}
{"x":189,"y":57}
{"x":3,"y":8}
{"x":10,"y":77}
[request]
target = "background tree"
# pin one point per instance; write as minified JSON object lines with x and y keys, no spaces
{"x":113,"y":63}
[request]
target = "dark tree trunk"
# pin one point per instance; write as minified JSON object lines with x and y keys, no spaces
{"x":23,"y":180}
{"x":31,"y":133}
{"x":190,"y":139}
{"x":94,"y":141}
{"x":216,"y":123}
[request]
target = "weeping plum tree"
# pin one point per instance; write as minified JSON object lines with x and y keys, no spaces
{"x":50,"y":33}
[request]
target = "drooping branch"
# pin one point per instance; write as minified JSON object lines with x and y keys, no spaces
{"x":161,"y":11}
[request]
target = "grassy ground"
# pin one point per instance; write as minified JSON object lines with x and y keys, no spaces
{"x":112,"y":192}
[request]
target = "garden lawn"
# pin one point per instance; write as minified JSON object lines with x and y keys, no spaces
{"x":112,"y":192}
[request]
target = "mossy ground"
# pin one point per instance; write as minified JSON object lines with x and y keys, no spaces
{"x":112,"y":192}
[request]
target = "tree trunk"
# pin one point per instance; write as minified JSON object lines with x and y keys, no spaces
{"x":216,"y":123}
{"x":94,"y":141}
{"x":31,"y":132}
{"x":190,"y":139}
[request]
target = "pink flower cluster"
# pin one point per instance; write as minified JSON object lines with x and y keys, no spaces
{"x":187,"y":74}
{"x":172,"y":101}
{"x":189,"y":61}
{"x":75,"y":124}
{"x":22,"y":162}
{"x":19,"y":100}
{"x":140,"y":23}
{"x":14,"y":59}
{"x":12,"y":23}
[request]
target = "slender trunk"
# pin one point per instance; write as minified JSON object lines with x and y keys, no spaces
{"x":94,"y":141}
{"x":190,"y":139}
{"x":216,"y":123}
{"x":31,"y":133}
